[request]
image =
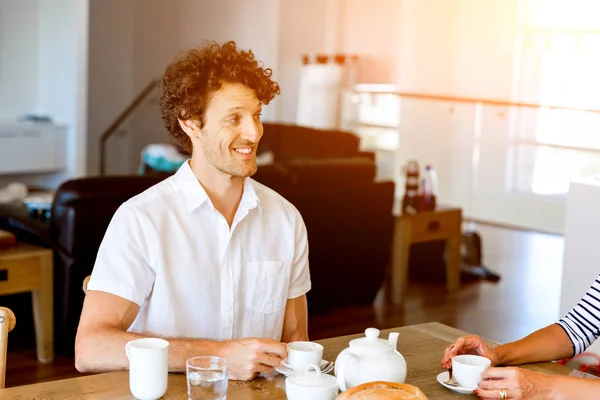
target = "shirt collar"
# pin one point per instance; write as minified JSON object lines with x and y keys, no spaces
{"x":250,"y":199}
{"x":195,"y":195}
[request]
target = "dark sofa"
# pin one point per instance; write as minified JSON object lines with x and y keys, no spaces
{"x":347,"y":215}
{"x":293,"y":142}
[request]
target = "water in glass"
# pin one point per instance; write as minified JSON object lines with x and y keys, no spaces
{"x":207,"y":385}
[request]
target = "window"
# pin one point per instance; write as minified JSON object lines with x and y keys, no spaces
{"x":558,"y":63}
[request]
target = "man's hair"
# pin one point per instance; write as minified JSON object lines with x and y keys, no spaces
{"x":191,"y":78}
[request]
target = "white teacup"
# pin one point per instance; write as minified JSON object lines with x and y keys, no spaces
{"x":303,"y":354}
{"x":148,"y":367}
{"x":467,"y":369}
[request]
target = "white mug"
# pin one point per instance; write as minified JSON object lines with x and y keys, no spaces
{"x":148,"y":367}
{"x":303,"y":354}
{"x":467,"y":369}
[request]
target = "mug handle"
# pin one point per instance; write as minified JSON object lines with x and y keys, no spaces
{"x":341,"y":376}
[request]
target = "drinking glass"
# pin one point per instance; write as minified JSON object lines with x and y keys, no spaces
{"x":206,"y":378}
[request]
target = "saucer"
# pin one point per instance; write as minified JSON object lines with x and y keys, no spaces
{"x":286,"y":370}
{"x":444,"y":376}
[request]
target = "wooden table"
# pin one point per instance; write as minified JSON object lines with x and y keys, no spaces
{"x":442,"y":224}
{"x":28,"y":268}
{"x":421,"y":345}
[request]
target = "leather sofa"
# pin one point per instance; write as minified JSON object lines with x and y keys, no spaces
{"x":347,"y":214}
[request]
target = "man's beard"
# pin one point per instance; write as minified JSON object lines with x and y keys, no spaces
{"x":226,"y":164}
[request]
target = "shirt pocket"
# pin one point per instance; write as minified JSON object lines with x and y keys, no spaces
{"x":266,"y":291}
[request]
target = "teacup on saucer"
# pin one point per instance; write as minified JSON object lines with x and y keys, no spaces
{"x":303,"y":354}
{"x":443,"y":377}
{"x":467,"y":369}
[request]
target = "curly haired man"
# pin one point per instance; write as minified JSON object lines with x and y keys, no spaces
{"x":208,"y":258}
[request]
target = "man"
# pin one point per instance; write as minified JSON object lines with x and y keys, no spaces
{"x":209,"y":258}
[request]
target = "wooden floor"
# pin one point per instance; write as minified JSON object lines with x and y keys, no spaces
{"x":526,"y":298}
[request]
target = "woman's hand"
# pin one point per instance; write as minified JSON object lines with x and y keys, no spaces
{"x":471,"y":344}
{"x":515,"y":384}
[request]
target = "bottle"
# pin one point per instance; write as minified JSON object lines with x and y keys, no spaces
{"x":410,"y":202}
{"x":429,"y":188}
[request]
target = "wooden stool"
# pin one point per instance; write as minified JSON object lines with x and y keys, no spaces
{"x":85,"y":284}
{"x":7,"y":323}
{"x":27,"y":268}
{"x":441,"y":224}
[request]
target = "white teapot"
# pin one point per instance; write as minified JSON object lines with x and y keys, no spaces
{"x":370,"y":359}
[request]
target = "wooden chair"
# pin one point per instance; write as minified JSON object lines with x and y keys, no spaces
{"x":85,"y":283}
{"x":7,"y":323}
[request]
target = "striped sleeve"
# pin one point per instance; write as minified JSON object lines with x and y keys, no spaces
{"x":582,"y":323}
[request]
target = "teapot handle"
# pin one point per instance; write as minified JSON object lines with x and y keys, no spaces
{"x":341,"y":375}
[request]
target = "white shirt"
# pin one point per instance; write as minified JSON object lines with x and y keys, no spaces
{"x":171,"y":252}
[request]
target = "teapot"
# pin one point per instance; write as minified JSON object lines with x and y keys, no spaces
{"x":370,"y":359}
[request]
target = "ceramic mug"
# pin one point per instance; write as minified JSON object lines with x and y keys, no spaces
{"x":148,"y":367}
{"x":467,"y":369}
{"x":303,"y":354}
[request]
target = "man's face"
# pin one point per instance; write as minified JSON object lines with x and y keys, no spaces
{"x":232,"y":130}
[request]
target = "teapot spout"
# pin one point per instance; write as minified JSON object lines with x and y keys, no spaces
{"x":393,"y":339}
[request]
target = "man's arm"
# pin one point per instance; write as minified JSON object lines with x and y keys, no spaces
{"x":295,"y":323}
{"x":102,"y":335}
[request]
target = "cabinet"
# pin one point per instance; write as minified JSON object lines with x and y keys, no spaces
{"x":581,"y":255}
{"x":26,"y":148}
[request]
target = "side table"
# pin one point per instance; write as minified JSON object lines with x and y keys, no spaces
{"x":441,"y":224}
{"x":28,"y":268}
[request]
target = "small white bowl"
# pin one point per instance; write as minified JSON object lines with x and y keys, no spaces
{"x":313,"y":385}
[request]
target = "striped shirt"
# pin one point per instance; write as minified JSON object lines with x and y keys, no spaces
{"x":582,"y":323}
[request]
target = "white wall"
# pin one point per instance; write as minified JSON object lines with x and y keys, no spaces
{"x":426,"y":64}
{"x":157,"y":27}
{"x":18,"y":58}
{"x":130,"y":44}
{"x":63,"y":74}
{"x":302,"y":30}
{"x":43,"y":69}
{"x":372,"y":30}
{"x":110,"y":77}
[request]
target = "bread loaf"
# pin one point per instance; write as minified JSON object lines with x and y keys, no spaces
{"x":383,"y":391}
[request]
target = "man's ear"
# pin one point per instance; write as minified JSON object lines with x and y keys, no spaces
{"x":190,"y":128}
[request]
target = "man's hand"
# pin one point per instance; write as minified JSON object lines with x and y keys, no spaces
{"x":249,"y":357}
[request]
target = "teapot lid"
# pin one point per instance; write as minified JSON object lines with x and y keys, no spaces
{"x":371,"y":341}
{"x":312,"y":378}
